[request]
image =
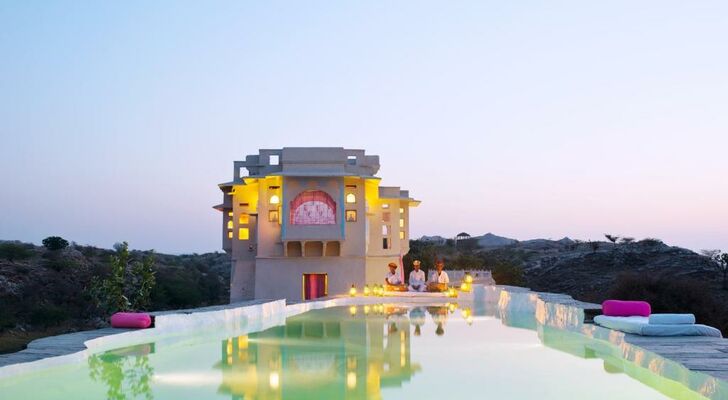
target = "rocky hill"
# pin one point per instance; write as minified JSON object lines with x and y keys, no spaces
{"x":45,"y":292}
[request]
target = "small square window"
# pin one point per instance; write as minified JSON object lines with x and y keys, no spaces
{"x":230,"y":224}
{"x":351,"y":160}
{"x":401,"y":222}
{"x":385,"y":230}
{"x":401,"y":234}
{"x":385,"y":243}
{"x":230,"y":234}
{"x":243,"y":234}
{"x":230,"y":214}
{"x":351,"y":198}
{"x":274,"y":159}
{"x":401,"y":210}
{"x":350,"y":215}
{"x":244,"y":219}
{"x":273,"y":216}
{"x":243,"y":172}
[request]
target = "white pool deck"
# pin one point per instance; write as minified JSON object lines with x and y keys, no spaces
{"x":700,"y":363}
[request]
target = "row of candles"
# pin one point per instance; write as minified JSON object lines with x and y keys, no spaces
{"x":378,"y":290}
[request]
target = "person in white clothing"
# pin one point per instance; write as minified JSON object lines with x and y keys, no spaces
{"x":417,"y":278}
{"x":392,"y":277}
{"x":439,"y":279}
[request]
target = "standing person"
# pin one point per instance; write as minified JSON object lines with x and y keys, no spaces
{"x":438,"y":279}
{"x":392,"y":278}
{"x":417,"y":278}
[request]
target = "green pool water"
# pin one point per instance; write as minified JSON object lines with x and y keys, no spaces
{"x":383,"y":351}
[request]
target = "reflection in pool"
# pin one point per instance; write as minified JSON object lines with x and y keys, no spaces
{"x":389,"y":351}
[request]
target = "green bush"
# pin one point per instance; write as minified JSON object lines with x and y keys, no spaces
{"x":60,"y":264}
{"x":48,"y":315}
{"x":12,"y":251}
{"x":55,"y":243}
{"x":507,"y":274}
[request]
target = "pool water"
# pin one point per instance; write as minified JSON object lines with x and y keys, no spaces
{"x":382,"y":351}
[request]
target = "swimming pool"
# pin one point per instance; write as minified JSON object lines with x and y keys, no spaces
{"x":399,"y":350}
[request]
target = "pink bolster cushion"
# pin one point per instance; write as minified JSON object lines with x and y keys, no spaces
{"x":623,"y":308}
{"x":131,"y":320}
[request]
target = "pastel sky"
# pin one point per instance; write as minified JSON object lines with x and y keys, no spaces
{"x":526,"y":119}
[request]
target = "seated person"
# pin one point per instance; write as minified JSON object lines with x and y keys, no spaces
{"x":439,"y":279}
{"x":417,"y":278}
{"x":392,"y":281}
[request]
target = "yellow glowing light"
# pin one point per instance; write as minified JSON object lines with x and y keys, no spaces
{"x":230,"y":224}
{"x":351,"y":380}
{"x":352,"y":291}
{"x":468,"y":278}
{"x":243,"y":234}
{"x":465,"y":287}
{"x":452,"y":293}
{"x":452,"y":307}
{"x":274,"y":380}
{"x":367,"y":291}
{"x":352,"y":310}
{"x":351,"y":198}
{"x":244,"y":219}
{"x":366,"y":310}
{"x":230,"y":213}
{"x":401,"y":234}
{"x":230,"y":234}
{"x":274,"y":199}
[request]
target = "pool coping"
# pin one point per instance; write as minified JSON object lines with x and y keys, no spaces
{"x":701,"y":362}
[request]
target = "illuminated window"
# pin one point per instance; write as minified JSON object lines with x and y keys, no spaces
{"x":230,"y":224}
{"x":351,"y":198}
{"x":274,"y":199}
{"x":385,"y":230}
{"x":273,"y":216}
{"x":350,"y":215}
{"x":385,"y":206}
{"x":230,"y":214}
{"x":230,"y":234}
{"x":274,"y":159}
{"x":351,"y":160}
{"x":243,"y":234}
{"x":401,"y":210}
{"x":401,"y":222}
{"x":244,"y":219}
{"x":401,"y":234}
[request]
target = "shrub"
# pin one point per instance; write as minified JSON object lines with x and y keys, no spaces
{"x":60,"y":264}
{"x":507,"y":274}
{"x":48,"y":315}
{"x":128,"y":286}
{"x":12,"y":251}
{"x":55,"y":243}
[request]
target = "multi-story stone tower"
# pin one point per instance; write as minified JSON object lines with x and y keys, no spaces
{"x":301,"y":223}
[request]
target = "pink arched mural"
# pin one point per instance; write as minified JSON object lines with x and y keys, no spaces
{"x":313,"y":207}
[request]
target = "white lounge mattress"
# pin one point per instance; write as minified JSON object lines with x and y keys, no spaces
{"x":641,"y":326}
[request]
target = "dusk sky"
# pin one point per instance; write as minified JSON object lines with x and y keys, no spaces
{"x":526,"y":119}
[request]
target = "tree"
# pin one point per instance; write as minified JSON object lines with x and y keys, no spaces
{"x":129,"y":285}
{"x":594,"y":245}
{"x":611,"y":238}
{"x":720,"y":261}
{"x":55,"y":243}
{"x":627,"y":240}
{"x":12,"y":251}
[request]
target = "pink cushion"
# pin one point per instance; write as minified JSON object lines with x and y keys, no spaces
{"x":131,"y":320}
{"x":624,"y":308}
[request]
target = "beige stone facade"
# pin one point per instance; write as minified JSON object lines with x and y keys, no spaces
{"x":300,"y":223}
